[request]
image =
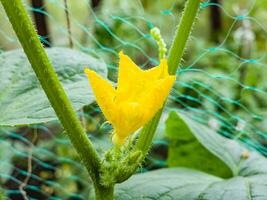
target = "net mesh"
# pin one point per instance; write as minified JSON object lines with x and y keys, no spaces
{"x":221,"y":82}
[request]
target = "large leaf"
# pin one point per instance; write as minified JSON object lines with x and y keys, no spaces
{"x":231,"y":152}
{"x":186,"y":184}
{"x":185,"y":150}
{"x":22,"y":100}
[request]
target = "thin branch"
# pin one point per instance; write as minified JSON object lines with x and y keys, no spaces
{"x":68,"y":23}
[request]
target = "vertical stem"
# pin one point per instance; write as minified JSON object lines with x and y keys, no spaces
{"x":182,"y":35}
{"x":147,"y":134}
{"x":50,"y":83}
{"x":104,"y":193}
{"x":174,"y":59}
{"x":68,"y":23}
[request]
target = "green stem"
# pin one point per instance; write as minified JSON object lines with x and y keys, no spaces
{"x":182,"y":35}
{"x":174,"y":59}
{"x":46,"y":75}
{"x":104,"y":193}
{"x":147,"y":134}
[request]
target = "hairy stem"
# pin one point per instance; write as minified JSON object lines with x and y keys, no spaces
{"x":147,"y":134}
{"x":174,"y":59}
{"x":104,"y":193}
{"x":182,"y":35}
{"x":47,"y":77}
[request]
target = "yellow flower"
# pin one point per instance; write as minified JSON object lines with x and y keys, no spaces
{"x":137,"y":98}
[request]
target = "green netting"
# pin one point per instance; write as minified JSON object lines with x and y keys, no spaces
{"x":221,"y":83}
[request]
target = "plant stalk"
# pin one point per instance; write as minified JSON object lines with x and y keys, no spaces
{"x":104,"y":193}
{"x":50,"y":83}
{"x":182,"y":35}
{"x":174,"y":59}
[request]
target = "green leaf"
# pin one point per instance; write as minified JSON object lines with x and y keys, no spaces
{"x":186,"y":184}
{"x":229,"y":151}
{"x":249,"y":182}
{"x":22,"y":100}
{"x":186,"y":151}
{"x":165,"y":184}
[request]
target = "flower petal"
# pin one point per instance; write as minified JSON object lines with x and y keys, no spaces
{"x":153,"y":101}
{"x":104,"y":93}
{"x":130,"y":75}
{"x":130,"y":118}
{"x":118,"y":140}
{"x":157,"y":72}
{"x":134,"y":82}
